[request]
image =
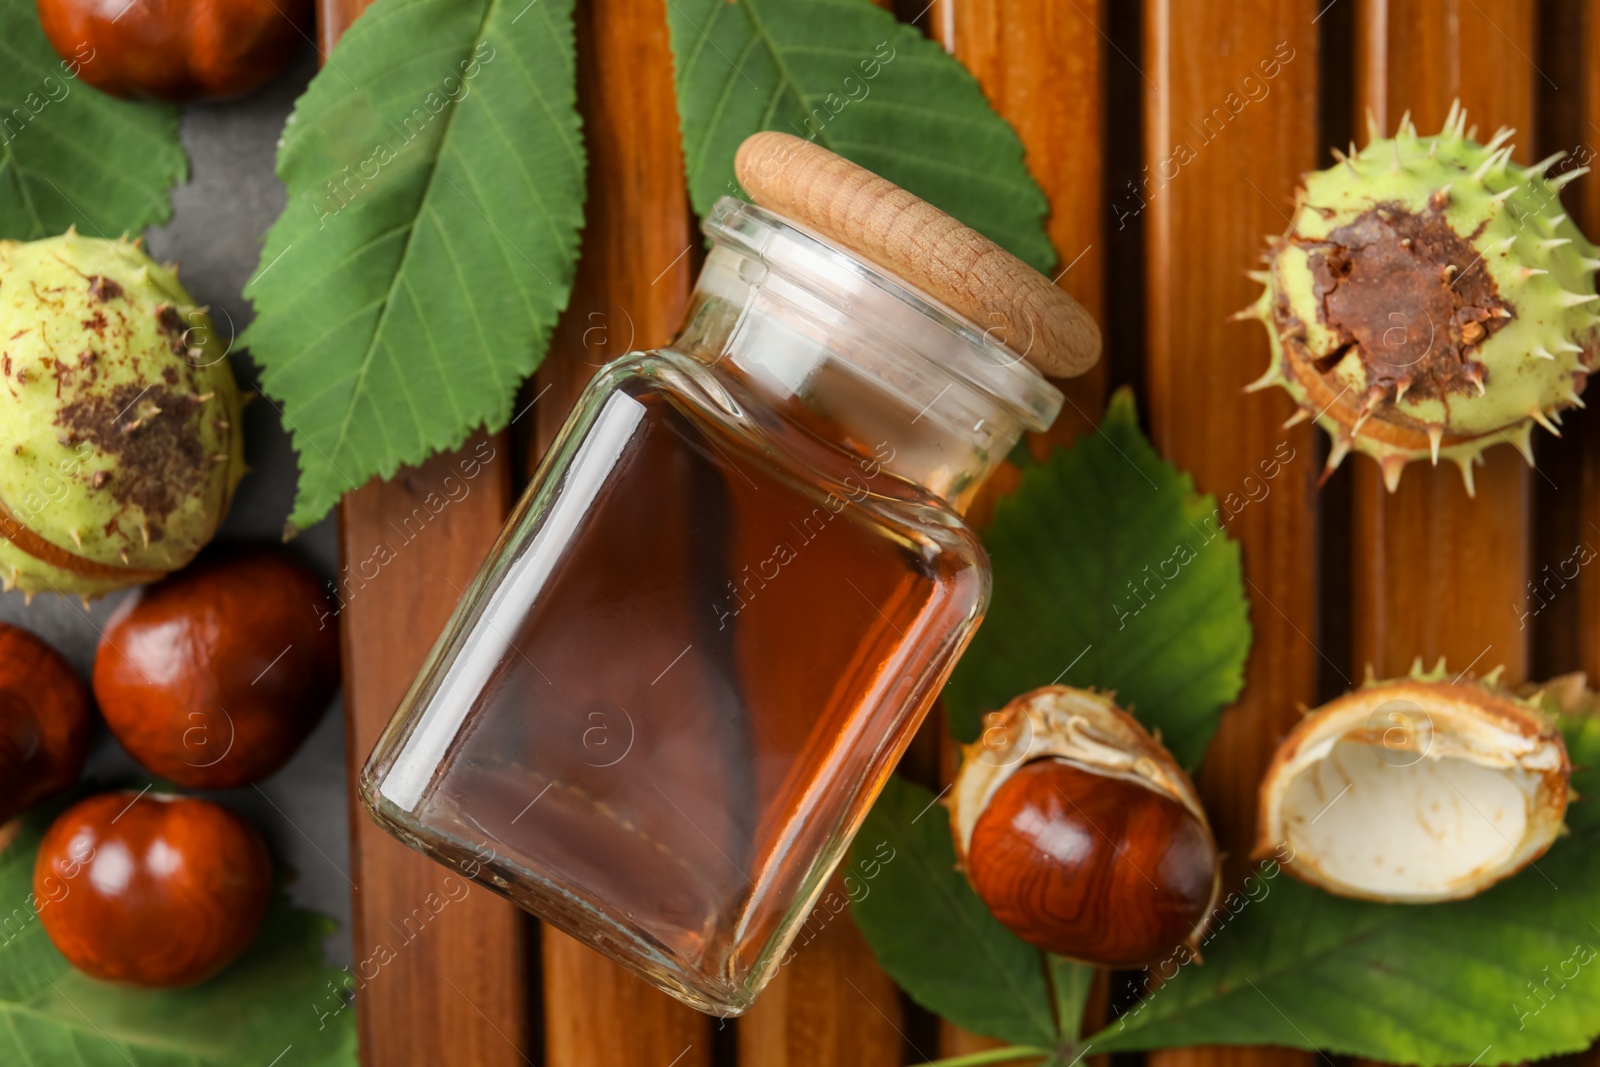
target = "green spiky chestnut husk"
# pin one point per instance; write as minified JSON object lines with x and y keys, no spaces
{"x":120,"y":437}
{"x":1430,"y":299}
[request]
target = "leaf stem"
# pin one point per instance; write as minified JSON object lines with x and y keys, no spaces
{"x":1071,"y":982}
{"x":1008,"y":1054}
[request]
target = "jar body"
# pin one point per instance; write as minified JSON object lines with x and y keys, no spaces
{"x":681,"y":678}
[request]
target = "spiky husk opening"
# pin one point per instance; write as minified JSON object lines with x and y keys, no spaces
{"x":1430,"y":299}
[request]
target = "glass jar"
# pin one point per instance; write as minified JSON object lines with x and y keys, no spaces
{"x":719,"y":613}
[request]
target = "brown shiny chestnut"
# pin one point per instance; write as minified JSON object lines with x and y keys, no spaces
{"x":214,"y":676}
{"x":151,"y":890}
{"x":44,"y":722}
{"x":176,"y":49}
{"x":1082,"y":834}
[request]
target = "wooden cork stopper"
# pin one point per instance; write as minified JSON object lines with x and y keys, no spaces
{"x":915,"y":241}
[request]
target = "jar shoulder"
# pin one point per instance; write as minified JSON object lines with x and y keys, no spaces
{"x":751,"y":432}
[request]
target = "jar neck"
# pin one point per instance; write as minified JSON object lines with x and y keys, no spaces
{"x":851,"y":379}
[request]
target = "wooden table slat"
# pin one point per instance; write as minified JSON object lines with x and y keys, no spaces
{"x":630,"y":291}
{"x":451,"y":988}
{"x":1421,"y":588}
{"x":1205,"y":212}
{"x":830,"y":1006}
{"x":1435,"y":572}
{"x":1039,"y":63}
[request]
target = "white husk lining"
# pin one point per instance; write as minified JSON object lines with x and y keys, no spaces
{"x":1471,"y":792}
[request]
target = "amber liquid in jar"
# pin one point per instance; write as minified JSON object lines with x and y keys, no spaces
{"x":726,"y":633}
{"x":712,"y":626}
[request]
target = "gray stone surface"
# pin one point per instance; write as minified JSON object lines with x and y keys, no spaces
{"x":219,"y":219}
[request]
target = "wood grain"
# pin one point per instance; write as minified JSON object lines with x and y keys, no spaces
{"x":1206,"y":211}
{"x":333,"y":18}
{"x":599,"y":1015}
{"x":1039,"y":63}
{"x":630,"y":292}
{"x":1419,"y":587}
{"x":830,"y":1006}
{"x":455,"y":990}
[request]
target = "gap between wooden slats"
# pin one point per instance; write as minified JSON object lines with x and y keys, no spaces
{"x":1585,"y":207}
{"x":1205,"y":219}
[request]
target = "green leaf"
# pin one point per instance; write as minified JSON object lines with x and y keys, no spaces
{"x":933,"y":935}
{"x":848,"y":75}
{"x":278,"y":995}
{"x":1109,"y":571}
{"x":435,"y":173}
{"x":1511,"y":975}
{"x":69,"y":154}
{"x":1021,"y":456}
